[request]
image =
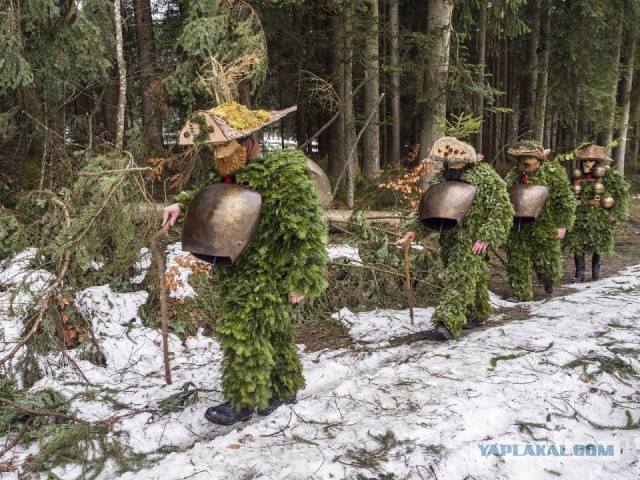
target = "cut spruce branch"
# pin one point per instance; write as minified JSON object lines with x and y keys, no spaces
{"x":164,"y":310}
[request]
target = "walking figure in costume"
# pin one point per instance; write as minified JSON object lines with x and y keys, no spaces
{"x":603,"y":203}
{"x":264,"y":231}
{"x":534,"y":241}
{"x":468,"y":204}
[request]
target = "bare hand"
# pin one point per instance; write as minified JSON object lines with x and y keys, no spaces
{"x":294,"y":298}
{"x":407,"y":237}
{"x":170,"y":214}
{"x":613,"y":218}
{"x":479,"y":247}
{"x":561,"y":232}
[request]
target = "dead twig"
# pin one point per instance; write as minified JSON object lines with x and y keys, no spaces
{"x":164,"y":311}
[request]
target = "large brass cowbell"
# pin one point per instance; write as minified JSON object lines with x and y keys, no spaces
{"x":220,"y":223}
{"x":527,"y":201}
{"x":444,"y":206}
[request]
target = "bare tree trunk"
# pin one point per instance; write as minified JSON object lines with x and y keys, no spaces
{"x":394,"y":62}
{"x":543,"y":68}
{"x":531,"y":80}
{"x":349,"y":114}
{"x":151,"y":119}
{"x":608,"y":135}
{"x":371,"y":138}
{"x":122,"y":74}
{"x":482,"y":53}
{"x":436,"y":72}
{"x":626,"y":108}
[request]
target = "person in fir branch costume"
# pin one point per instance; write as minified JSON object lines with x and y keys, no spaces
{"x":284,"y":262}
{"x":537,"y":245}
{"x":464,"y":302}
{"x":603,"y":203}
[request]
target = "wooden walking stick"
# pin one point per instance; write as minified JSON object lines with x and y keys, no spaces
{"x":164,"y":311}
{"x":406,"y":241}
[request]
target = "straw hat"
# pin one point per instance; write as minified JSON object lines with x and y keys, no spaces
{"x":529,"y":149}
{"x":226,"y":123}
{"x":592,"y":152}
{"x":451,"y":150}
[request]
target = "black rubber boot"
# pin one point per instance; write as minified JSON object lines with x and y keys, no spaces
{"x":442,"y":332}
{"x":579,"y":276}
{"x":274,"y":403}
{"x":596,"y":261}
{"x":548,"y":289}
{"x":225,"y":414}
{"x":473,"y":324}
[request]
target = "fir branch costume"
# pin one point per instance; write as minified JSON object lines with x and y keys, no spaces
{"x":592,"y":232}
{"x":593,"y":228}
{"x":535,"y":246}
{"x":465,"y":297}
{"x":287,"y":254}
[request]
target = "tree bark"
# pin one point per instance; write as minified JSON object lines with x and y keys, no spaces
{"x":626,"y":108}
{"x":608,"y":135}
{"x":349,"y":113}
{"x":394,"y":63}
{"x":337,"y":146}
{"x":436,"y":72}
{"x":543,"y":68}
{"x":371,"y":138}
{"x":122,"y":74}
{"x":531,"y":79}
{"x":482,"y":54}
{"x":151,"y":118}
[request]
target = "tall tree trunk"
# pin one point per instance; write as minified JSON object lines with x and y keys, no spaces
{"x":122,"y":75}
{"x":543,"y":68}
{"x":531,"y":79}
{"x":337,"y":146}
{"x":151,"y":119}
{"x":626,"y":108}
{"x":436,"y":72}
{"x":371,"y":136}
{"x":349,"y":113}
{"x":482,"y":53}
{"x":608,"y":134}
{"x":394,"y":63}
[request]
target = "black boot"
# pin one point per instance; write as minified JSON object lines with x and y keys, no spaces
{"x":442,"y":332}
{"x":548,"y":289}
{"x":473,"y":324}
{"x":596,"y":261}
{"x":225,"y":414}
{"x":274,"y":403}
{"x":579,"y":276}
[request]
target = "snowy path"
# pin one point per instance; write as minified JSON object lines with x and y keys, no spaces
{"x":567,"y":374}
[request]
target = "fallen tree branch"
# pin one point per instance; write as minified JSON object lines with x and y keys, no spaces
{"x":41,"y":413}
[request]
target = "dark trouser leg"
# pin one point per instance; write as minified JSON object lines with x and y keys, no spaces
{"x":596,"y":261}
{"x":579,"y":276}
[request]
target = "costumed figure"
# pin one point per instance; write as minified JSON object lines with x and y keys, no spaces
{"x":544,"y":209}
{"x":468,"y":204}
{"x":603,"y":202}
{"x":264,"y":224}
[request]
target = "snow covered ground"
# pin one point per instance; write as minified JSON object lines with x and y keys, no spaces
{"x":548,"y":374}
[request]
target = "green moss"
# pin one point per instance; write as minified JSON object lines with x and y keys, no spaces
{"x":535,"y":246}
{"x":240,"y":117}
{"x":593,"y":228}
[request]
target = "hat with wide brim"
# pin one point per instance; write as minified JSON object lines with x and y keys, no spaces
{"x":219,"y":130}
{"x":451,"y":150}
{"x":538,"y":152}
{"x":593,"y":152}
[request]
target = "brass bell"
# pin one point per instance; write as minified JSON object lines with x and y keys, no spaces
{"x":598,"y":189}
{"x":607,"y":202}
{"x":577,"y":173}
{"x":444,"y":205}
{"x":527,"y":201}
{"x":576,"y":189}
{"x":599,"y":172}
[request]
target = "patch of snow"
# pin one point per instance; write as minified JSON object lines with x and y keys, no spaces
{"x":344,"y":251}
{"x":141,"y":266}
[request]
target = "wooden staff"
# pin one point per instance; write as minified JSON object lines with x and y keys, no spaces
{"x":164,"y":311}
{"x":406,"y":241}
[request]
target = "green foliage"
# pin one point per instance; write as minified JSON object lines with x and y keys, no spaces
{"x":188,"y":395}
{"x":593,"y":228}
{"x":535,"y":246}
{"x":286,"y":255}
{"x":11,"y":418}
{"x":461,"y":126}
{"x":386,"y":446}
{"x":11,"y":233}
{"x":466,"y":296}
